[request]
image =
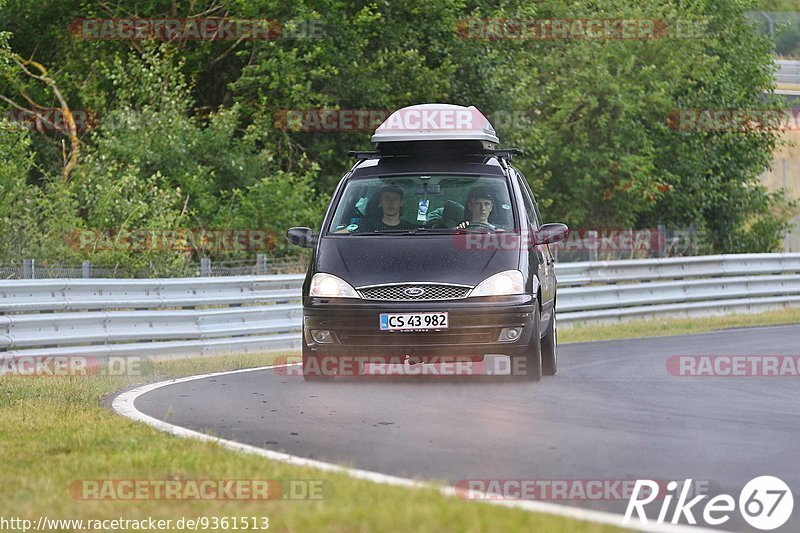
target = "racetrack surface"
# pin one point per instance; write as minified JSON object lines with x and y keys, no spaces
{"x":613,"y":412}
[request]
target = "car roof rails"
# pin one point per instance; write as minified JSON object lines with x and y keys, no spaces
{"x":365,"y":154}
{"x":435,"y":148}
{"x":505,"y":153}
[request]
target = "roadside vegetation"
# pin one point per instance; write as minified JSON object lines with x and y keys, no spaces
{"x":674,"y":326}
{"x":59,"y":430}
{"x":189,"y":134}
{"x":784,"y":17}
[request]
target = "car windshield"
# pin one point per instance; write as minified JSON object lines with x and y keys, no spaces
{"x":410,"y":205}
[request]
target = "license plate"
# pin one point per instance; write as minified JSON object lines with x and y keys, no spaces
{"x":413,"y":321}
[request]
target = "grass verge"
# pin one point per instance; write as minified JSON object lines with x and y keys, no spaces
{"x":54,"y":431}
{"x":674,"y":326}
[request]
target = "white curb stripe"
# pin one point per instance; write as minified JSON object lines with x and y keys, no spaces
{"x":123,"y":404}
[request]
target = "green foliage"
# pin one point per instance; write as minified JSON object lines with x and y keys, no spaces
{"x":777,"y":5}
{"x":154,"y":165}
{"x":780,"y":21}
{"x":187,"y":136}
{"x":612,"y":159}
{"x":16,"y":198}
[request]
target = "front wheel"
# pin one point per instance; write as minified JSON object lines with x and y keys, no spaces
{"x":550,"y":348}
{"x":529,"y":366}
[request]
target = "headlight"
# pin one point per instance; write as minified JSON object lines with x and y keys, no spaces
{"x":328,"y":286}
{"x":501,"y":284}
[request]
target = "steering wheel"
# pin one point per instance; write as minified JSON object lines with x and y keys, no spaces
{"x":481,"y":225}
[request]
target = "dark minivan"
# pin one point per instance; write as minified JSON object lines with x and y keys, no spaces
{"x":432,"y":249}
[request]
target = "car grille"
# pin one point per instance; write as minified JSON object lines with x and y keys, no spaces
{"x":365,"y":339}
{"x":429,"y":292}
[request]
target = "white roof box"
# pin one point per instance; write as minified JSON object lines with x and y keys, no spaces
{"x":435,"y":122}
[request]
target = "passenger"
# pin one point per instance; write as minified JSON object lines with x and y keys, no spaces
{"x":391,"y":203}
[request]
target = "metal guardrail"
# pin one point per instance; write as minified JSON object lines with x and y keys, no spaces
{"x":153,"y":317}
{"x":98,"y":294}
{"x":788,"y":71}
{"x":702,"y":266}
{"x":198,"y":316}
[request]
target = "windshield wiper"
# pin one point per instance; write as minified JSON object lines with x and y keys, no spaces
{"x":412,"y":231}
{"x":391,"y":232}
{"x":438,"y":230}
{"x":444,"y":231}
{"x":441,"y":231}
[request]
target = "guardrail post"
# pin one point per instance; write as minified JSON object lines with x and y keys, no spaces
{"x":261,"y":264}
{"x":205,"y":266}
{"x":28,"y":271}
{"x":86,"y":269}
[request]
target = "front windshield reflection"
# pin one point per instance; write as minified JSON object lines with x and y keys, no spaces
{"x":410,"y":205}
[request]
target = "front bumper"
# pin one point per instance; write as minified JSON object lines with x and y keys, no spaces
{"x":474,"y":327}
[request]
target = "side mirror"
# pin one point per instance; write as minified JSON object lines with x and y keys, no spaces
{"x":550,"y":233}
{"x":301,"y":236}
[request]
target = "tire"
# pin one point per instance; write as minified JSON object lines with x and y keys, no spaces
{"x":531,"y":367}
{"x":311,"y":367}
{"x":550,"y":348}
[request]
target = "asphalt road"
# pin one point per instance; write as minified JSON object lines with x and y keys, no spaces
{"x":613,"y":412}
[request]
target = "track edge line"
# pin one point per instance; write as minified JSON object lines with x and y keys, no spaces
{"x":123,"y":404}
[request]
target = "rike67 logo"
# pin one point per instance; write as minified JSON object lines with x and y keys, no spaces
{"x":765,"y":503}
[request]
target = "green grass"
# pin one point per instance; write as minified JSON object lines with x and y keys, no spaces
{"x":674,"y":326}
{"x":54,"y":430}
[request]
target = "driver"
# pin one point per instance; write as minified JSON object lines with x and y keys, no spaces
{"x":480,"y":202}
{"x":391,"y":203}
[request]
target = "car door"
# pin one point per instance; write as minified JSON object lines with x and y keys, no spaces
{"x":541,"y":252}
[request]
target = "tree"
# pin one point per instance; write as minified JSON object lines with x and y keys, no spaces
{"x":611,"y":157}
{"x":187,"y":132}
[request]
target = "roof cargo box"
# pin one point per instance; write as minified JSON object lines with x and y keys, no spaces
{"x":436,"y":122}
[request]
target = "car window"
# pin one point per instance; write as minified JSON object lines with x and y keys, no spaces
{"x":433,"y":202}
{"x":530,"y":205}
